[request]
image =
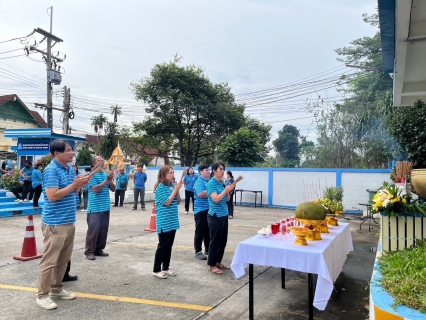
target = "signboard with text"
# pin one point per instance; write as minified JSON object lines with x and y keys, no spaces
{"x":33,"y":146}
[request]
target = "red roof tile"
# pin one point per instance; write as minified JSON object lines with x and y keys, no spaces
{"x":39,"y":118}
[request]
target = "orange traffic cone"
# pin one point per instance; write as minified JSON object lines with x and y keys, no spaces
{"x":29,"y":248}
{"x":153,"y":221}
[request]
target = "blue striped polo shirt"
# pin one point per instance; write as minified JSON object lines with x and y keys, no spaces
{"x":37,"y":178}
{"x":221,"y":208}
{"x":167,"y":216}
{"x":189,"y":182}
{"x":61,"y":211}
{"x":99,"y":202}
{"x":200,"y":204}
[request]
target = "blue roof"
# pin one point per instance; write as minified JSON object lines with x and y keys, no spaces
{"x":387,"y":33}
{"x":39,"y":133}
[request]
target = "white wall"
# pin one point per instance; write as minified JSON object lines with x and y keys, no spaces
{"x":289,"y":187}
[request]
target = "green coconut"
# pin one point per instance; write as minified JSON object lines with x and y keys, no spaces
{"x":311,"y":211}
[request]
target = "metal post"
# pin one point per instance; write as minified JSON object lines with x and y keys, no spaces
{"x":48,"y":67}
{"x":311,"y":296}
{"x":251,"y":298}
{"x":283,"y":278}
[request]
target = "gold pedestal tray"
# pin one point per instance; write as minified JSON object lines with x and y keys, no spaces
{"x":300,"y":237}
{"x":313,"y":234}
{"x":331,"y":220}
{"x":338,"y":213}
{"x":324,"y":227}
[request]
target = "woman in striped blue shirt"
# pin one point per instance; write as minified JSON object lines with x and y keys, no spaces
{"x":217,"y":217}
{"x":167,"y":200}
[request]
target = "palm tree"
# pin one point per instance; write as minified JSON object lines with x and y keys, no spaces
{"x":116,"y":111}
{"x":98,"y":122}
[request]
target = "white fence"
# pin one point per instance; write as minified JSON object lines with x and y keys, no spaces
{"x":285,"y":187}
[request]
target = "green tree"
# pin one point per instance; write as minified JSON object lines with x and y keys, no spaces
{"x":262,"y":129}
{"x":288,"y":146}
{"x":84,"y":157}
{"x":98,"y":122}
{"x":116,"y":111}
{"x":109,"y":141}
{"x":352,"y":133}
{"x":188,"y":112}
{"x":242,"y":149}
{"x":406,"y":124}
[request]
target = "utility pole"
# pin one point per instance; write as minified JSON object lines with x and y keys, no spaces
{"x":66,"y":111}
{"x":53,"y":76}
{"x":48,"y":67}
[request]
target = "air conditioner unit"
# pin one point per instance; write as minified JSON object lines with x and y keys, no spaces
{"x":54,"y":76}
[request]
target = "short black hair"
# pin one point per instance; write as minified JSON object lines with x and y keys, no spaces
{"x":58,"y":145}
{"x":38,"y":165}
{"x":29,"y":162}
{"x":201,"y":167}
{"x":216,"y":166}
{"x":140,"y":166}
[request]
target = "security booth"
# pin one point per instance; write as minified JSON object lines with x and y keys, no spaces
{"x":33,"y":144}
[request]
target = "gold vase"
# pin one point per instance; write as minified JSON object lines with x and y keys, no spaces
{"x":313,"y":234}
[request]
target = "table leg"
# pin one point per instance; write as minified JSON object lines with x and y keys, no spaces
{"x":251,"y":298}
{"x":241,"y":197}
{"x":261,"y":202}
{"x":283,"y":278}
{"x":255,"y":199}
{"x":311,"y":296}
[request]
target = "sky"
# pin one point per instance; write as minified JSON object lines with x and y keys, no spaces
{"x":251,"y":45}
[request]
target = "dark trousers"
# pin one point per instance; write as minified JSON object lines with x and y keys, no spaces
{"x":97,"y":232}
{"x":218,"y":238}
{"x":164,"y":251}
{"x":230,"y":207}
{"x":136,"y":193}
{"x":119,"y":194}
{"x":85,"y":199}
{"x":188,"y":196}
{"x":16,"y":191}
{"x":67,"y":271}
{"x":202,"y":232}
{"x":27,"y":189}
{"x":37,"y":193}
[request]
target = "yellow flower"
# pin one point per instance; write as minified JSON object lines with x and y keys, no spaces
{"x":391,"y":196}
{"x":376,"y":196}
{"x":404,"y":200}
{"x":379,"y":204}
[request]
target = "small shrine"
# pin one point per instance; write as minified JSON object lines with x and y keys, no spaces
{"x":116,"y":161}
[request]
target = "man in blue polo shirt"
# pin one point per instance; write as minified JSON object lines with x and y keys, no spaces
{"x":98,"y":212}
{"x":139,"y":188}
{"x":57,"y":223}
{"x":201,"y":208}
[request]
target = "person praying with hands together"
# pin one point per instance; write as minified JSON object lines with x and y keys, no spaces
{"x":167,"y":200}
{"x":218,"y":217}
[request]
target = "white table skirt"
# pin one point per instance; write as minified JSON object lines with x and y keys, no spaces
{"x":324,"y":258}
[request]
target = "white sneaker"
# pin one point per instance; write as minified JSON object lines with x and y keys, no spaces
{"x":63,"y":295}
{"x":83,"y":210}
{"x":17,"y":200}
{"x":186,"y":212}
{"x":20,"y":200}
{"x":25,"y":200}
{"x":46,"y":303}
{"x":30,"y":201}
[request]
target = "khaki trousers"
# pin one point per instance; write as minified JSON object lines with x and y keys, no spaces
{"x":58,"y":244}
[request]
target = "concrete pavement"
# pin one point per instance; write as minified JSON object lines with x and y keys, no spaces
{"x":121,"y":286}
